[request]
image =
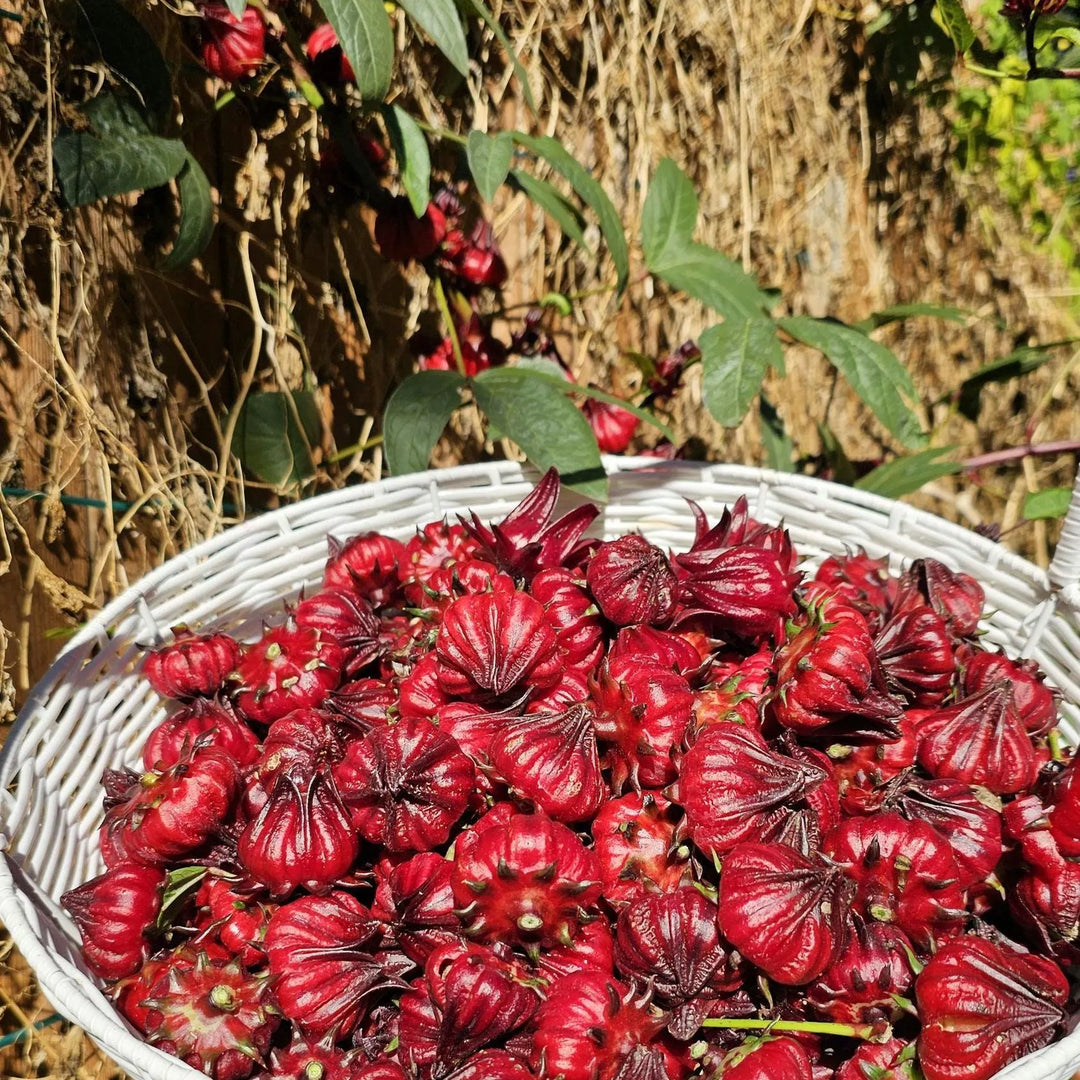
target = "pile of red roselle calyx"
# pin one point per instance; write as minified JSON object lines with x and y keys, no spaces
{"x":505,"y":802}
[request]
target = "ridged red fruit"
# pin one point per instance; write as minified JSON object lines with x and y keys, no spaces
{"x":982,"y":1006}
{"x":733,"y":788}
{"x":416,"y":900}
{"x":232,"y":48}
{"x":768,"y":1059}
{"x":632,"y":582}
{"x":957,"y":597}
{"x":346,"y":619}
{"x":524,"y":879}
{"x":193,"y":665}
{"x":405,"y":784}
{"x":206,"y":722}
{"x":862,"y":582}
{"x":785,"y":912}
{"x":579,"y":632}
{"x":325,"y":963}
{"x":1033,"y":699}
{"x":114,"y":913}
{"x":366,"y":565}
{"x":404,"y":237}
{"x":916,"y":654}
{"x":239,"y":921}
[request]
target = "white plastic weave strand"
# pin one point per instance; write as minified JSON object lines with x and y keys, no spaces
{"x":92,"y":711}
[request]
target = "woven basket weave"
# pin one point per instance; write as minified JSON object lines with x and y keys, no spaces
{"x":92,"y":710}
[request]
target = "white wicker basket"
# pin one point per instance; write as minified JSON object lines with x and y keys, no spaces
{"x":92,"y":711}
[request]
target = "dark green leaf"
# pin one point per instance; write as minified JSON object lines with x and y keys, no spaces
{"x":117,"y":156}
{"x":1070,"y":34}
{"x":909,"y":311}
{"x":549,"y":199}
{"x":543,"y":368}
{"x":127,"y":48}
{"x":440,"y":20}
{"x":196,"y":216}
{"x":270,"y":442}
{"x":545,"y":423}
{"x":415,"y":417}
{"x":873,"y":371}
{"x":479,"y":8}
{"x":956,"y":23}
{"x":735,"y":357}
{"x":1049,"y":503}
{"x":489,"y":160}
{"x":840,"y":468}
{"x":1017,"y":363}
{"x":779,"y":447}
{"x":413,"y":156}
{"x":908,"y":473}
{"x":590,"y":192}
{"x":669,"y":214}
{"x":367,"y":39}
{"x":236,"y":6}
{"x":178,"y":886}
{"x":667,"y":229}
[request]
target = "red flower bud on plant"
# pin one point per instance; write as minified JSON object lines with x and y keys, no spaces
{"x":613,"y":427}
{"x":784,"y":911}
{"x":404,"y":237}
{"x":1025,"y":9}
{"x":327,"y":57}
{"x":632,"y":582}
{"x":982,"y":1006}
{"x":478,"y":261}
{"x":232,"y":48}
{"x":114,"y":912}
{"x":194,"y":665}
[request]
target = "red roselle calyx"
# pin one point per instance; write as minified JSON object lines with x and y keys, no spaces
{"x":232,"y":48}
{"x":785,"y":912}
{"x":983,"y":1005}
{"x":632,"y":581}
{"x":958,"y":598}
{"x":193,"y":665}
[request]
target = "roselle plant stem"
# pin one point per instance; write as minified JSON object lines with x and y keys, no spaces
{"x":866,"y":1032}
{"x":998,"y":457}
{"x":451,"y":329}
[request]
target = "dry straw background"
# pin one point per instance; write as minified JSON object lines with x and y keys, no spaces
{"x":815,"y":166}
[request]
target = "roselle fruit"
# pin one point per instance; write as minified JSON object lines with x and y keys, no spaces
{"x":325,"y":962}
{"x":303,"y":1060}
{"x":524,"y":878}
{"x":982,"y":1006}
{"x":492,"y":1065}
{"x":860,"y":581}
{"x":592,"y":950}
{"x":115,"y":913}
{"x":767,"y":1059}
{"x":405,"y":785}
{"x":550,"y":759}
{"x":208,"y":723}
{"x":785,"y":912}
{"x":1033,"y":699}
{"x":905,"y":872}
{"x":632,"y":582}
{"x":366,"y":565}
{"x":915,"y":652}
{"x":671,"y":941}
{"x":957,"y":597}
{"x":892,"y":1060}
{"x":415,"y":899}
{"x":979,"y":740}
{"x":238,"y":922}
{"x":579,"y":631}
{"x":345,"y":619}
{"x":494,"y":644}
{"x":733,"y":788}
{"x":193,"y":665}
{"x":1064,"y":811}
{"x":233,"y":47}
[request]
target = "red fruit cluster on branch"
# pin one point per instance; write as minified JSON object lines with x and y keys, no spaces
{"x":505,"y":802}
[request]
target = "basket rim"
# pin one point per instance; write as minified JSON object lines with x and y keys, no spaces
{"x":116,"y":1039}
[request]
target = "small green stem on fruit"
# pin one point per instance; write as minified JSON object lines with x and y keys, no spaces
{"x":226,"y":99}
{"x":866,"y":1032}
{"x":311,"y":93}
{"x":990,"y":73}
{"x":1054,"y":739}
{"x":451,"y":328}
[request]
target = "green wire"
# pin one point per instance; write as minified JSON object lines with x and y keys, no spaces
{"x":24,"y":1033}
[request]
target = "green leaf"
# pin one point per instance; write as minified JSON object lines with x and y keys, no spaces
{"x":735,"y":357}
{"x":543,"y":368}
{"x":416,"y":415}
{"x":1049,"y":503}
{"x":590,"y":192}
{"x":667,"y":228}
{"x":670,"y":213}
{"x":559,"y":302}
{"x":178,"y":885}
{"x":489,"y":160}
{"x":548,"y":427}
{"x":270,"y":442}
{"x":549,"y":199}
{"x":908,"y":473}
{"x":196,"y":216}
{"x":909,"y":311}
{"x":117,"y":156}
{"x":1017,"y":363}
{"x":480,"y":9}
{"x":440,"y":20}
{"x":236,"y":7}
{"x":778,"y":444}
{"x":126,"y":47}
{"x":367,"y":39}
{"x":956,"y":23}
{"x":1071,"y":34}
{"x":413,"y":156}
{"x":873,"y":371}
